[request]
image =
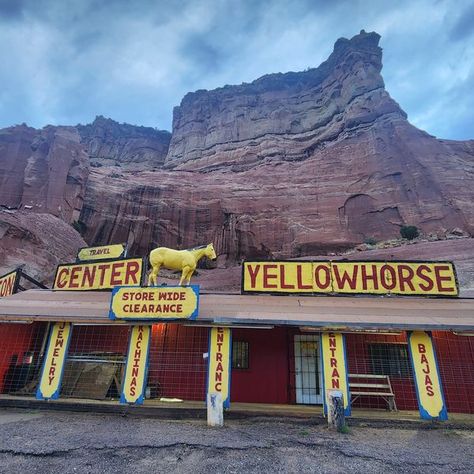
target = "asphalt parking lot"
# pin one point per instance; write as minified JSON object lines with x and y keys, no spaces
{"x":63,"y":442}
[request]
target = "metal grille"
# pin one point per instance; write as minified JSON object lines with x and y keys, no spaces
{"x":240,"y":355}
{"x":177,"y":367}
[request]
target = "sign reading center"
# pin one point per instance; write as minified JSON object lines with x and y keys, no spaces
{"x":166,"y":302}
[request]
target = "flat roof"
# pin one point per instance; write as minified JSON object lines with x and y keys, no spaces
{"x":397,"y":313}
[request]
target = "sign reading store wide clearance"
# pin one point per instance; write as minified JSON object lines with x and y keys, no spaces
{"x":370,"y":277}
{"x":99,"y":276}
{"x":8,"y":283}
{"x":103,"y":252}
{"x":155,"y":303}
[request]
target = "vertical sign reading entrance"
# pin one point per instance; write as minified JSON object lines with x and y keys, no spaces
{"x":219,"y":368}
{"x":333,"y":354}
{"x":133,"y":389}
{"x":53,"y":366}
{"x":427,"y":380}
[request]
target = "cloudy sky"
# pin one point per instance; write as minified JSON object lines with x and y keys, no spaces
{"x":66,"y":61}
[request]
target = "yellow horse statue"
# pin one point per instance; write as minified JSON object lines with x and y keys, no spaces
{"x":184,"y":260}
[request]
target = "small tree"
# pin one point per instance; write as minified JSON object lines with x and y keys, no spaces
{"x":409,"y":232}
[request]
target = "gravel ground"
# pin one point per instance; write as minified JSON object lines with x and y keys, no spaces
{"x":52,"y":442}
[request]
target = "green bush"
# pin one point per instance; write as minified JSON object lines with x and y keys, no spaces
{"x":409,"y":232}
{"x":370,"y":241}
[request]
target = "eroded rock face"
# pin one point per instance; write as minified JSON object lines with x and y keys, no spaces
{"x":43,"y":170}
{"x":110,"y":143}
{"x":290,"y":165}
{"x":39,"y":241}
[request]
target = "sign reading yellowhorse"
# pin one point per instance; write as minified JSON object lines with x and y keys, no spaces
{"x":133,"y":387}
{"x":429,"y":392}
{"x":54,"y":361}
{"x":342,"y":277}
{"x":335,"y":376}
{"x":154,"y":303}
{"x":9,"y":283}
{"x":104,"y":252}
{"x":100,"y":275}
{"x":219,"y":369}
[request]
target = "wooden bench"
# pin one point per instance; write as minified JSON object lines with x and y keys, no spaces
{"x":368,"y":385}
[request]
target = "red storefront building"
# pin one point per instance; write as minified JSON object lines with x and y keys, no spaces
{"x":276,"y":347}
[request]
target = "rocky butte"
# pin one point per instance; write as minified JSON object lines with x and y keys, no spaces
{"x":290,"y":165}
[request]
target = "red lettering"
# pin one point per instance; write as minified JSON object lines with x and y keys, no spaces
{"x":429,"y":391}
{"x":327,"y":277}
{"x":388,"y":281}
{"x":219,"y":356}
{"x":423,"y":359}
{"x":219,"y":367}
{"x":218,"y":387}
{"x":439,"y":279}
{"x":421,"y":348}
{"x":132,"y":273}
{"x":132,"y":391}
{"x":283,"y":284}
{"x":428,"y":380}
{"x":333,"y":362}
{"x":335,"y":383}
{"x":405,"y":278}
{"x":346,"y":278}
{"x":299,"y":279}
{"x":366,"y":277}
{"x":267,"y":276}
{"x":429,"y":284}
{"x":102,"y":269}
{"x":61,"y":280}
{"x":89,"y":275}
{"x":253,"y":275}
{"x":74,"y":277}
{"x":115,"y":275}
{"x":218,"y":376}
{"x":220,"y":337}
{"x":335,"y":373}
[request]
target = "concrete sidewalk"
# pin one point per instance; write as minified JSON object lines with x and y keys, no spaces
{"x":197,"y":410}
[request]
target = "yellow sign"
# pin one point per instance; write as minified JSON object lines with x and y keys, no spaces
{"x":219,"y":369}
{"x":428,"y":385}
{"x":53,"y":366}
{"x":104,"y":252}
{"x":379,"y":278}
{"x":8,"y":283}
{"x":165,"y":302}
{"x":99,"y":276}
{"x":335,"y":377}
{"x":133,"y":389}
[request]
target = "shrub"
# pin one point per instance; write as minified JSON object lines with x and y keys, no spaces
{"x":409,"y":232}
{"x":370,"y":241}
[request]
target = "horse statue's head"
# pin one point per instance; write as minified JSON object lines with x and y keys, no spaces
{"x":210,"y":252}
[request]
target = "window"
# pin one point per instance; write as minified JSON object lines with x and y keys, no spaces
{"x":390,"y":359}
{"x":240,"y":355}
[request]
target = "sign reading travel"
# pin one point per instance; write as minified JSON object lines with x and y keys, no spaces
{"x":335,"y":377}
{"x":425,"y":368}
{"x":99,"y":276}
{"x":8,"y":283}
{"x":133,"y":388}
{"x":219,"y":369}
{"x":155,"y":303}
{"x":371,"y":277}
{"x":103,"y":252}
{"x":53,"y":366}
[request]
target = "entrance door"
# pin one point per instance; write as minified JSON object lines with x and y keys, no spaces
{"x":308,"y":370}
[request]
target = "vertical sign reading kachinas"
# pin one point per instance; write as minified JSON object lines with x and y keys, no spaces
{"x":133,"y":388}
{"x":335,"y":377}
{"x":427,"y":380}
{"x":219,"y":367}
{"x":53,"y":366}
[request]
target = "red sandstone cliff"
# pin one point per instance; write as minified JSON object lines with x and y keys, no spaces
{"x":290,"y":165}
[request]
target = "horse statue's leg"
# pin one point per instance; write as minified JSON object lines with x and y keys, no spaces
{"x":153,"y":276}
{"x":186,"y":275}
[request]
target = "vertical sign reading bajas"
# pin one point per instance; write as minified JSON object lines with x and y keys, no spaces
{"x":335,"y":377}
{"x":133,"y":389}
{"x":428,"y":386}
{"x":218,"y":375}
{"x":53,"y":366}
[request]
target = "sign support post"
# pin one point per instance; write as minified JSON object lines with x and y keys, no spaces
{"x":335,"y":373}
{"x":219,"y":366}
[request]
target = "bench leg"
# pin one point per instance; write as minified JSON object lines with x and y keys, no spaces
{"x":391,"y":404}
